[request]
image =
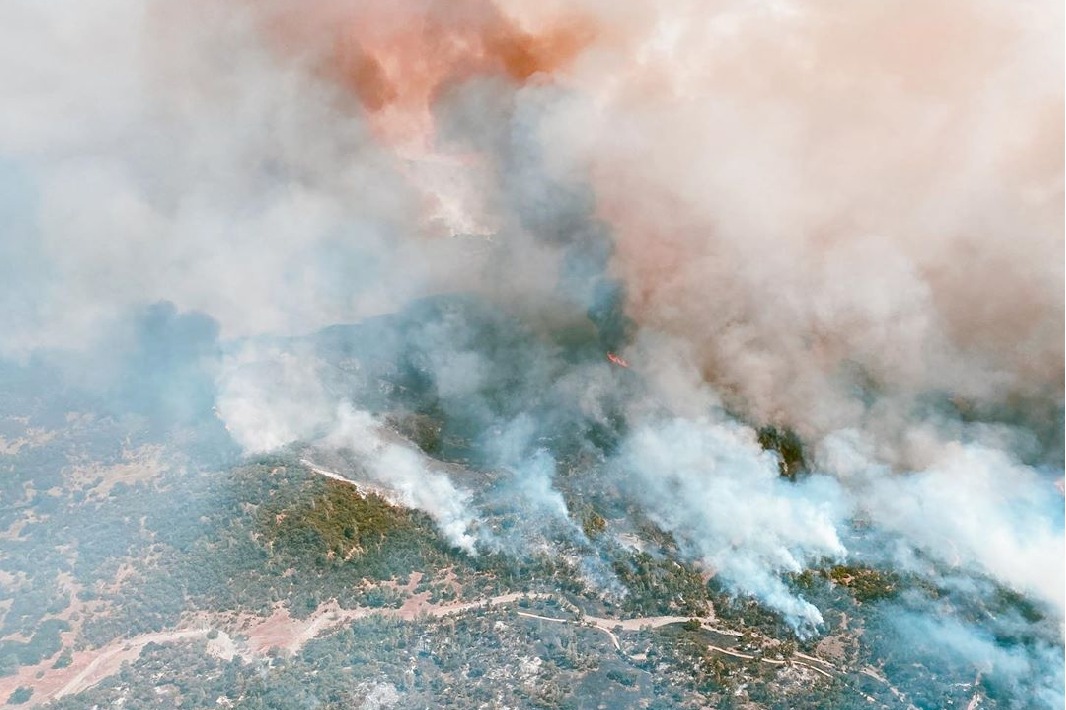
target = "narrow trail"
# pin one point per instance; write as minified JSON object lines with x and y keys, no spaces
{"x":614,"y":639}
{"x":606,"y":626}
{"x":108,"y":662}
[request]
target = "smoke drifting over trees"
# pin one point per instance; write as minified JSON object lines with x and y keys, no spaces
{"x":840,"y":219}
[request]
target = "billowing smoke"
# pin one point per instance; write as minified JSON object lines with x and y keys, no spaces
{"x":840,"y":219}
{"x":711,"y":485}
{"x":951,"y":509}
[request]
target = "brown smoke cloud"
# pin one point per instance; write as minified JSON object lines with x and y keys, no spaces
{"x":847,"y":185}
{"x":396,"y":58}
{"x":797,"y":193}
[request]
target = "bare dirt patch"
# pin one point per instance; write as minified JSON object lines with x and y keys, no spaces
{"x":139,"y":464}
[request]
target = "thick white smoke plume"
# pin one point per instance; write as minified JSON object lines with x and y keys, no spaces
{"x":844,"y":219}
{"x":405,"y":470}
{"x":271,"y":398}
{"x":973,"y":507}
{"x":711,"y":485}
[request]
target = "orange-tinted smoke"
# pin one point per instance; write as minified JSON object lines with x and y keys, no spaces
{"x":396,"y":58}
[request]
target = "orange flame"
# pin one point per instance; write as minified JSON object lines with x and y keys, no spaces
{"x":617,"y":360}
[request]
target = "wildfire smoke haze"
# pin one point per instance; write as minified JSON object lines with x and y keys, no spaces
{"x":792,"y":191}
{"x":665,"y":226}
